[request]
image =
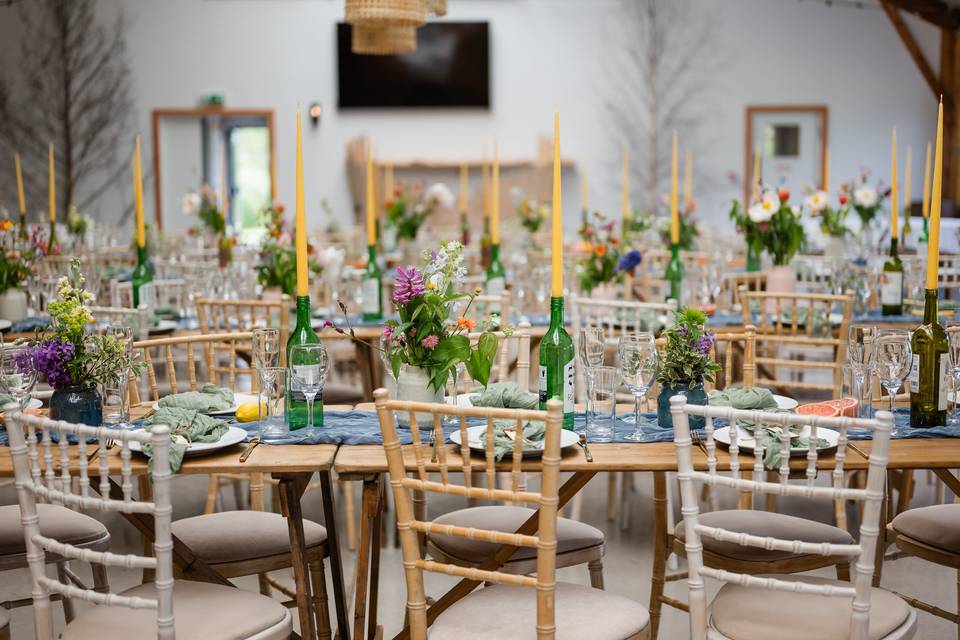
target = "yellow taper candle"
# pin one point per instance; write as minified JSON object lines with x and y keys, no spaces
{"x":674,"y":213}
{"x":138,"y":194}
{"x":625,"y":183}
{"x":755,"y":178}
{"x":388,"y":182}
{"x":584,"y":191}
{"x":301,"y":218}
{"x":687,"y":180}
{"x":20,"y":199}
{"x":925,"y":187}
{"x":826,"y":172}
{"x":495,"y":195}
{"x":371,"y":204}
{"x":894,"y":200}
{"x":906,"y":184}
{"x":557,"y":231}
{"x":52,"y":187}
{"x":485,"y":176}
{"x":463,"y":188}
{"x":933,"y":245}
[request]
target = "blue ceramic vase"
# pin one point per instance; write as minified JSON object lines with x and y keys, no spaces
{"x":695,"y":395}
{"x":77,"y":404}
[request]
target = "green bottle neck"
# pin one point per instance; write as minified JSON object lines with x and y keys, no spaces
{"x":303,"y":311}
{"x":894,"y":250}
{"x":373,"y":268}
{"x":930,"y":306}
{"x":556,"y":312}
{"x":142,"y":256}
{"x":675,"y":252}
{"x":494,"y":253}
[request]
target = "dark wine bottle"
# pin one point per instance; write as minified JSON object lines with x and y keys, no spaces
{"x":556,"y":364}
{"x":928,"y":374}
{"x":296,"y":402}
{"x":891,"y":289}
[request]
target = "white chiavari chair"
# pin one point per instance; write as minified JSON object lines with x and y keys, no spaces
{"x":784,"y":606}
{"x":152,"y":610}
{"x":137,"y":319}
{"x":517,"y":599}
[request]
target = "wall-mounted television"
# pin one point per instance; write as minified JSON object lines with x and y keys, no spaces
{"x":450,"y":68}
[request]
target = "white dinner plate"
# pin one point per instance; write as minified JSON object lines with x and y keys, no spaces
{"x":234,"y":435}
{"x":785,"y":403}
{"x":5,"y":324}
{"x":34,"y":403}
{"x":460,"y":400}
{"x":164,"y":326}
{"x":567,"y":439}
{"x":746,"y":442}
{"x":238,"y":399}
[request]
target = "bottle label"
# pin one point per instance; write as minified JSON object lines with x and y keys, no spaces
{"x":371,"y":296}
{"x":941,"y":381}
{"x":495,"y":287}
{"x":915,"y":374}
{"x":891,"y":290}
{"x":547,"y":392}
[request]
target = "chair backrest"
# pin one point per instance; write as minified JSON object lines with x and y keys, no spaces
{"x":226,"y":316}
{"x":220,"y":356}
{"x":618,"y":317}
{"x":484,"y":305}
{"x":730,"y":286}
{"x":161,"y":293}
{"x":138,"y":319}
{"x":871,"y":496}
{"x":51,"y":481}
{"x":410,"y":524}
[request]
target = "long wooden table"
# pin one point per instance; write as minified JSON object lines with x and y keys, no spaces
{"x":368,"y":464}
{"x":293,"y":466}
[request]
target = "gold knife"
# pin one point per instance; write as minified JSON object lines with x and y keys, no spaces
{"x":249,"y":448}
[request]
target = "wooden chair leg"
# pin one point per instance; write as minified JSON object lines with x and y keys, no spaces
{"x":101,"y":584}
{"x":213,"y":489}
{"x":68,"y":610}
{"x":625,"y":480}
{"x":320,"y":608}
{"x":595,"y":567}
{"x":611,"y":496}
{"x":843,"y":571}
{"x":349,"y":514}
{"x":660,"y":551}
{"x":264,"y":582}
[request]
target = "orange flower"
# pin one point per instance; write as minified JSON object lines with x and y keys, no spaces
{"x":280,"y":208}
{"x":600,"y":250}
{"x":614,"y":241}
{"x":466,"y":323}
{"x":6,"y":225}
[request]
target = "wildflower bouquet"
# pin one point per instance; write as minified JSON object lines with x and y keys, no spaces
{"x":865,"y":199}
{"x":410,"y":206}
{"x":686,"y":358}
{"x":426,"y":335}
{"x":212,"y":219}
{"x":77,"y":223}
{"x":688,"y":228}
{"x":599,"y":266}
{"x":832,"y":221}
{"x":771,"y":224}
{"x":17,"y":257}
{"x":532,"y":214}
{"x":278,"y":258}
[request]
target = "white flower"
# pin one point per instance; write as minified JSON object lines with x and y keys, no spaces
{"x":865,"y":196}
{"x":441,"y":195}
{"x":795,"y":209}
{"x":762,"y":211}
{"x":191,"y":204}
{"x":817,"y":200}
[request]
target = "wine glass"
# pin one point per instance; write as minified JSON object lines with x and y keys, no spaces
{"x":953,"y":349}
{"x":18,"y":373}
{"x":591,"y":348}
{"x":266,"y":347}
{"x":861,"y":341}
{"x":638,"y":368}
{"x":308,"y":368}
{"x":894,"y":358}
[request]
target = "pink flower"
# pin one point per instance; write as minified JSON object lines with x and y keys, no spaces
{"x":388,"y":333}
{"x":430,"y":342}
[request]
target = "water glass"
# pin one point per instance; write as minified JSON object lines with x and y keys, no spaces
{"x":639,"y":362}
{"x":894,"y":358}
{"x":266,"y":348}
{"x":17,"y":372}
{"x":590,"y":348}
{"x":308,"y":369}
{"x":271,"y":397}
{"x":115,"y":396}
{"x":602,"y":415}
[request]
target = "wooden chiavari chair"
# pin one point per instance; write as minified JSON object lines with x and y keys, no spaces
{"x":226,"y":316}
{"x":729,"y":299}
{"x":151,"y":610}
{"x":515,"y":595}
{"x":749,"y":606}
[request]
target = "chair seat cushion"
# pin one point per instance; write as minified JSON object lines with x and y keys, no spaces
{"x":937,"y":526}
{"x":763,"y":523}
{"x":200,"y":610}
{"x":234,"y":536}
{"x":745,"y":613}
{"x":60,"y":523}
{"x":501,"y":611}
{"x":571,"y":534}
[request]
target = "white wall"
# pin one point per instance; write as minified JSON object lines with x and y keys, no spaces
{"x":545,"y":55}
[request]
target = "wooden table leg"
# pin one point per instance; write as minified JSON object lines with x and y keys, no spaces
{"x":336,"y":566}
{"x":292,"y":487}
{"x":369,"y":506}
{"x":660,"y":550}
{"x":949,"y":479}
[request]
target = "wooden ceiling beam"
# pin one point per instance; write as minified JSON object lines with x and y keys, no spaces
{"x":934,"y":11}
{"x":900,"y":26}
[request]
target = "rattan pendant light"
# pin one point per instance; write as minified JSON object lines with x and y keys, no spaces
{"x":383,"y":40}
{"x":385,"y":27}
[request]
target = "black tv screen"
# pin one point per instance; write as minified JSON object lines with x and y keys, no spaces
{"x":450,"y":68}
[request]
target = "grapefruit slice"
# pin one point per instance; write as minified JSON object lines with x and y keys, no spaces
{"x":844,"y":406}
{"x":818,"y":409}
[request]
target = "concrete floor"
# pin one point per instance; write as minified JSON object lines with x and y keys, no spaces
{"x":627,"y":563}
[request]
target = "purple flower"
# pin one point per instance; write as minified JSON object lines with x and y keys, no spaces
{"x":683,"y":331}
{"x":430,"y":342}
{"x":388,"y":333}
{"x":629,"y":261}
{"x":50,"y":359}
{"x":704,"y":343}
{"x":407,"y":285}
{"x":328,"y":324}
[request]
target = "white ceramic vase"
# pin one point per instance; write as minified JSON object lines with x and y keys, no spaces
{"x":780,"y":279}
{"x":413,"y":385}
{"x":13,"y":305}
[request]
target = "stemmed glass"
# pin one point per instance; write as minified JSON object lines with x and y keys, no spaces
{"x":894,"y":358}
{"x":18,"y":373}
{"x":638,"y":368}
{"x":953,"y":349}
{"x":591,"y":349}
{"x":266,"y":348}
{"x":308,"y":368}
{"x":861,"y":342}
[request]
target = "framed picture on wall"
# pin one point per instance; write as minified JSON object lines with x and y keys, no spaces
{"x":791,"y":142}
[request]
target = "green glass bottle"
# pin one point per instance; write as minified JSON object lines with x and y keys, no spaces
{"x":24,"y":234}
{"x":926,"y":230}
{"x":486,"y":244}
{"x":674,"y":273}
{"x":556,"y":364}
{"x":142,"y":274}
{"x":928,"y":374}
{"x":891,"y":289}
{"x":296,"y":402}
{"x":496,"y":277}
{"x":52,"y":241}
{"x":372,"y":287}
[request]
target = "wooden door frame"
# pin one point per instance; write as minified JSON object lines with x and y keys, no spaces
{"x":201,"y":112}
{"x":820,"y":109}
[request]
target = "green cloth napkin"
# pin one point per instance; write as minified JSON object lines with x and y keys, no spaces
{"x":209,"y":398}
{"x":509,"y":395}
{"x":761,"y":399}
{"x":189,"y":423}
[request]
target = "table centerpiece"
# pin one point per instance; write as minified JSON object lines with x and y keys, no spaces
{"x":598,"y":268}
{"x":685,"y":364}
{"x":277,"y":268}
{"x":17,"y":265}
{"x":833,"y":221}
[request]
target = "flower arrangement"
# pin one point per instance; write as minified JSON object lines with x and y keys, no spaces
{"x":688,"y":228}
{"x":77,"y":223}
{"x":865,"y":199}
{"x":832,"y":221}
{"x":532,"y":214}
{"x":599,"y":266}
{"x":686,"y":357}
{"x":771,"y":224}
{"x":426,"y":335}
{"x":640,"y":222}
{"x":212,"y":219}
{"x":65,"y":354}
{"x":410,"y":205}
{"x":278,"y":257}
{"x":18,"y":257}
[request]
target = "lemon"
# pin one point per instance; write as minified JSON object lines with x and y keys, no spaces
{"x":248,"y":412}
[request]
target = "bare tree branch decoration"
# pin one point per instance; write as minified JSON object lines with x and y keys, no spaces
{"x":662,"y":54}
{"x":72,"y":89}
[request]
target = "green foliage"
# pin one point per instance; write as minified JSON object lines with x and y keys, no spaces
{"x":784,"y":235}
{"x":599,"y":266}
{"x":686,"y":358}
{"x":833,"y":221}
{"x":532,"y":214}
{"x":688,"y":231}
{"x":747,"y":227}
